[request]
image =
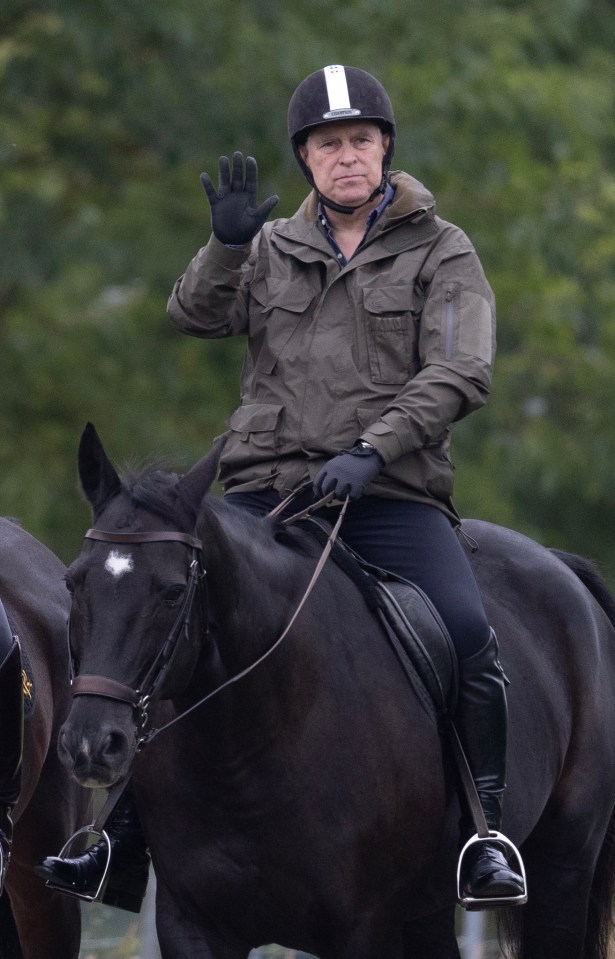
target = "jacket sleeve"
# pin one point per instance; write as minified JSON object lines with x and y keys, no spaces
{"x":210,"y":299}
{"x":456,"y":353}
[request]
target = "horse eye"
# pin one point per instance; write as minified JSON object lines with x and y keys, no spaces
{"x":173,"y":594}
{"x":69,"y":584}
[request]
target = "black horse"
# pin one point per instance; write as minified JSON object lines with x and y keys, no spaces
{"x":309,"y":800}
{"x":34,"y":922}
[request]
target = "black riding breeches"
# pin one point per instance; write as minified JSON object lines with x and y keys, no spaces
{"x":6,"y":635}
{"x":412,"y":540}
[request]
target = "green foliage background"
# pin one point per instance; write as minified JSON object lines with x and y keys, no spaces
{"x":110,"y":109}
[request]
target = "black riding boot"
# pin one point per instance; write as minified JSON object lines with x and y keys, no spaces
{"x":128,"y":868}
{"x":481,"y":721}
{"x":11,"y":733}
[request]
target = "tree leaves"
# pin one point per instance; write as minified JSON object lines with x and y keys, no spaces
{"x":111,"y":110}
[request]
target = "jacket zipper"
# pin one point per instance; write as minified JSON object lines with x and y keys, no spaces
{"x":449,"y":328}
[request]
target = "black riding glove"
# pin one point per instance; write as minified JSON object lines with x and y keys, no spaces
{"x":235,"y":217}
{"x":348,"y":473}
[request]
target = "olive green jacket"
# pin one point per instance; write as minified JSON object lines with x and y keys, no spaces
{"x":392,"y":348}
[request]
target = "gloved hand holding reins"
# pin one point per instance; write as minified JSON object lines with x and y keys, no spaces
{"x":235,"y":217}
{"x":348,"y":473}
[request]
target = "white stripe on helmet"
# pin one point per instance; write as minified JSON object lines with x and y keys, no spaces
{"x":337,"y":93}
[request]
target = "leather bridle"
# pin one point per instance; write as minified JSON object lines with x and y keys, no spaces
{"x":140,"y":698}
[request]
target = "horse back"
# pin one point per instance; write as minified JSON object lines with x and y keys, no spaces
{"x":32,"y":585}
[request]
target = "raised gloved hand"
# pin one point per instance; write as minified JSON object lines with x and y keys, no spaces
{"x":235,"y":217}
{"x":348,"y":473}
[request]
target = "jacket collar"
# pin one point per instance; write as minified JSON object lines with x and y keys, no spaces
{"x":411,"y":201}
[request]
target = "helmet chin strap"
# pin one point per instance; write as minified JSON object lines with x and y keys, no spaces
{"x":351,"y":209}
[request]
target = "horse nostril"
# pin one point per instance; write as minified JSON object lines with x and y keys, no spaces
{"x":114,"y":744}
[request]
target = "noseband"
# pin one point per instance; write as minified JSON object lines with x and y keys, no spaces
{"x":139,"y":699}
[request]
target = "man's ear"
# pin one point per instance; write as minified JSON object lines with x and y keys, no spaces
{"x":303,"y":153}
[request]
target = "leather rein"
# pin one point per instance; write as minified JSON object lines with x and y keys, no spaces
{"x":140,"y":698}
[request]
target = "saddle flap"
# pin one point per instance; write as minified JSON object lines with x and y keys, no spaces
{"x":424,"y":639}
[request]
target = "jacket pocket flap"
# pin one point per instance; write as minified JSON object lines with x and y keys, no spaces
{"x":255,"y":418}
{"x":387,"y":299}
{"x":271,"y":293}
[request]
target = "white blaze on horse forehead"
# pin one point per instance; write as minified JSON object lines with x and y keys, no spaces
{"x":118,"y":564}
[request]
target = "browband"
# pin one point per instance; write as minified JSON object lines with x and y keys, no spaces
{"x":162,"y":536}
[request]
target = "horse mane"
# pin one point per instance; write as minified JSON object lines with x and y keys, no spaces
{"x":154,"y":489}
{"x":591,"y":577}
{"x":309,"y":534}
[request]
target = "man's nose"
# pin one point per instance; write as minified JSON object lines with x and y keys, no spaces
{"x":347,"y":152}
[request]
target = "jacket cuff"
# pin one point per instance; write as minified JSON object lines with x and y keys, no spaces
{"x":384,"y":440}
{"x":229,"y":257}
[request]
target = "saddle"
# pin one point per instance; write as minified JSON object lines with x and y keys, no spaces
{"x":418,"y":635}
{"x":410,"y":621}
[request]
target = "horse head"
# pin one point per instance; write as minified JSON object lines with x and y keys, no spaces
{"x":135,"y":628}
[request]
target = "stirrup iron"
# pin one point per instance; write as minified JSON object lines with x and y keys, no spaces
{"x":66,"y":848}
{"x":474,"y":903}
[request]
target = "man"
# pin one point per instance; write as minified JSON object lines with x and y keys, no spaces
{"x":370,"y":328}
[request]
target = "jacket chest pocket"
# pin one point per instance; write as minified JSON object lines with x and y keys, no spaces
{"x":391,"y":334}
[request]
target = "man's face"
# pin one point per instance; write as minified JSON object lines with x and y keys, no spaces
{"x":345,"y":159}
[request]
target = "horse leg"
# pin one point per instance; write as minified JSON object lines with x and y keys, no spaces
{"x":369,"y":940}
{"x":9,"y":941}
{"x":182,"y":936}
{"x":432,"y":937}
{"x":553,"y":923}
{"x":197,"y":945}
{"x":49,"y":924}
{"x":429,"y":937}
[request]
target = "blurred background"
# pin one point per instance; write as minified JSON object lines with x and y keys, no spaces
{"x":110,"y":109}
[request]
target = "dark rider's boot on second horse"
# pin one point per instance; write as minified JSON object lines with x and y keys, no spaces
{"x":11,"y":741}
{"x":490,"y":870}
{"x":115,"y":873}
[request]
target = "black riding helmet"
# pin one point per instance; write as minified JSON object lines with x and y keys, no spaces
{"x":339,"y":93}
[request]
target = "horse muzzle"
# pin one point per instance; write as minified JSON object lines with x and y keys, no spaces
{"x":98,"y":751}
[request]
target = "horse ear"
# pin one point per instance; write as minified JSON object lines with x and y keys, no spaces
{"x":99,"y":480}
{"x":197,"y":481}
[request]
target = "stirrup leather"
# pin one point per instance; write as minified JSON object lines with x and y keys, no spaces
{"x":473,"y":903}
{"x":63,"y":854}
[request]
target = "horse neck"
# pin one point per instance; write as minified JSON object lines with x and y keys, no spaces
{"x":252,"y":592}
